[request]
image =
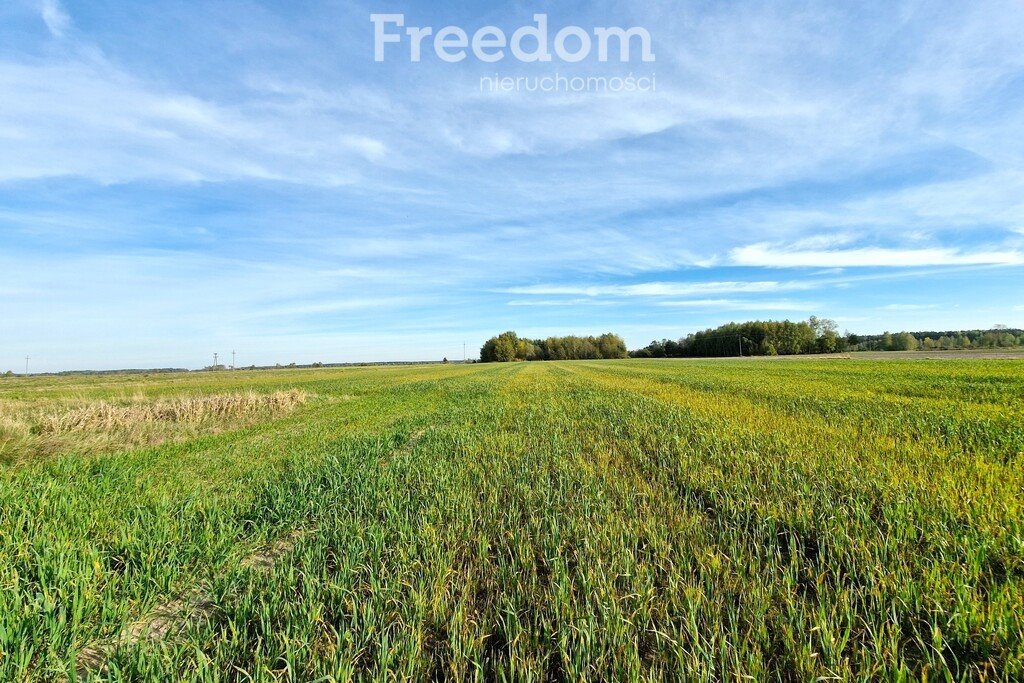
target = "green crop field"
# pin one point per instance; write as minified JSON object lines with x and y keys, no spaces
{"x":607,"y":520}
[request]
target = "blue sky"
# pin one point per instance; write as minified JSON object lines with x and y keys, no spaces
{"x":180,"y":178}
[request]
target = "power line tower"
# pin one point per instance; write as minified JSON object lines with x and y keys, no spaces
{"x":26,"y":365}
{"x":214,"y":361}
{"x":232,"y":359}
{"x":463,"y":352}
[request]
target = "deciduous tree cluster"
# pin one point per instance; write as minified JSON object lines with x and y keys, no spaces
{"x":817,"y":335}
{"x":508,"y":346}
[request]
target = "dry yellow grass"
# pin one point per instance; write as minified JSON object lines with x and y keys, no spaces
{"x":106,"y":416}
{"x":89,"y":426}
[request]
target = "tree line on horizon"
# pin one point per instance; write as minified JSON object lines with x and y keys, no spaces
{"x":509,"y":346}
{"x":818,"y":335}
{"x":752,"y":338}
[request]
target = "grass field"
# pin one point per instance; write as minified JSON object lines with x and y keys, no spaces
{"x":620,"y":520}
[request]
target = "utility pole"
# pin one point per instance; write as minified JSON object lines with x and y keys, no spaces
{"x":232,"y":359}
{"x":463,"y":352}
{"x":740,"y":337}
{"x":214,"y":361}
{"x":26,"y":366}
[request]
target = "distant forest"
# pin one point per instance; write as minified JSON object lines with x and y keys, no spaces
{"x":818,"y":335}
{"x":755,"y":338}
{"x":508,"y":346}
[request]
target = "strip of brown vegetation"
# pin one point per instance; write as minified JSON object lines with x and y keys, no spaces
{"x":105,"y":416}
{"x":173,"y":619}
{"x":166,"y":622}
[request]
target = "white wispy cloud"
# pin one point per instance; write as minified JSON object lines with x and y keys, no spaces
{"x":559,"y":302}
{"x":744,"y":305}
{"x":91,"y":119}
{"x":910,"y":307}
{"x":656,"y":289}
{"x":56,"y":19}
{"x":774,"y":256}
